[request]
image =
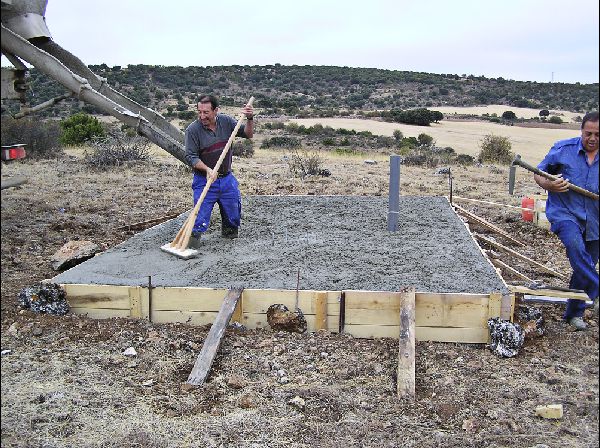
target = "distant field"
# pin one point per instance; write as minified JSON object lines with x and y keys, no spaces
{"x":499,"y":109}
{"x":464,"y":136}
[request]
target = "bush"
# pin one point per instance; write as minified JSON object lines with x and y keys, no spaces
{"x":280,"y":142}
{"x":465,"y":159}
{"x":244,"y":149}
{"x":42,"y":139}
{"x":555,"y":119}
{"x":116,"y":150}
{"x":305,"y":164}
{"x":496,"y":149}
{"x":80,"y":128}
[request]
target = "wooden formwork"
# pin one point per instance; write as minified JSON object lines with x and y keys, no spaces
{"x":440,"y":317}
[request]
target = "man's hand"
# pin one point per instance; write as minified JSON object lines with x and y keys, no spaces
{"x":211,"y":174}
{"x":248,"y":112}
{"x":559,"y":185}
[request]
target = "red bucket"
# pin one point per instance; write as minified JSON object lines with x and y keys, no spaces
{"x":527,"y":203}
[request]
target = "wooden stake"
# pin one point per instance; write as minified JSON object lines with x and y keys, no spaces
{"x":406,"y":351}
{"x":520,"y":256}
{"x":214,"y":338}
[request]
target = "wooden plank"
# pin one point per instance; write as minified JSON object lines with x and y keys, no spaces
{"x":500,"y":264}
{"x":213,"y":340}
{"x":549,"y":293}
{"x":434,"y":334}
{"x":97,"y":296}
{"x":100,"y":313}
{"x":238,"y":313}
{"x":521,"y":256}
{"x":507,"y":307}
{"x":451,"y":310}
{"x":406,"y":345}
{"x":187,"y":299}
{"x":135,"y":302}
{"x":495,"y":305}
{"x":259,"y":300}
{"x":320,"y":311}
{"x":488,"y":225}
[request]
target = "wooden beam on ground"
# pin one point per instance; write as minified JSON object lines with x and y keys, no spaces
{"x":549,"y":293}
{"x":491,"y":203}
{"x":214,"y":338}
{"x":520,"y":256}
{"x":488,"y":225}
{"x":500,"y":264}
{"x":406,"y":349}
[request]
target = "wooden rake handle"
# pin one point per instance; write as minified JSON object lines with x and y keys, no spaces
{"x":182,"y":239}
{"x":518,"y":161}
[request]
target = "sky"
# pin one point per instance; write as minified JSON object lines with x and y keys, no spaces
{"x":523,"y":40}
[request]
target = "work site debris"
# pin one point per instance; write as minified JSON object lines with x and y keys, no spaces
{"x":553,"y":411}
{"x":506,"y":338}
{"x":532,"y":320}
{"x":280,"y":318}
{"x":72,"y":254}
{"x":44,"y":298}
{"x":130,"y":352}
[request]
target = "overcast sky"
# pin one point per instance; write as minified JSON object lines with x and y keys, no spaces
{"x":525,"y":40}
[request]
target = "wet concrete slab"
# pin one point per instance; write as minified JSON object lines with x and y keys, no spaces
{"x":337,"y":243}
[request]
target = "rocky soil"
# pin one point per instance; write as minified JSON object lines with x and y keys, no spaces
{"x":67,"y":382}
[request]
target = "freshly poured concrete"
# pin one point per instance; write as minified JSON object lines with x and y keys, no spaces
{"x":337,"y":242}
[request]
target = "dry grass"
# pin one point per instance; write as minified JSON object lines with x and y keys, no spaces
{"x":464,"y":136}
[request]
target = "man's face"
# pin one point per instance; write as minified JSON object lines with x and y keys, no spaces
{"x":207,"y":115}
{"x":589,"y":136}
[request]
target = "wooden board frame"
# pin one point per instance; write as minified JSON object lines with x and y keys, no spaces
{"x":441,"y":317}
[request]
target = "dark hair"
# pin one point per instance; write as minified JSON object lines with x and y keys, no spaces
{"x":204,"y":99}
{"x":590,"y":116}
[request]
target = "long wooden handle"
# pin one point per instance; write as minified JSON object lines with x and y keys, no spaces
{"x":183,"y":236}
{"x":570,"y":186}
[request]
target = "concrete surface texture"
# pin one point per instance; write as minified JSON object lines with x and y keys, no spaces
{"x":337,"y":243}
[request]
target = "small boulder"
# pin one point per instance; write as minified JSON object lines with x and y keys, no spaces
{"x":280,"y":318}
{"x":73,"y":253}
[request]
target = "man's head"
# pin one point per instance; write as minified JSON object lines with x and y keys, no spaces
{"x":589,"y":131}
{"x":208,"y":107}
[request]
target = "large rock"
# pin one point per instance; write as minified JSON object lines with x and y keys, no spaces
{"x":73,"y":253}
{"x":280,"y":318}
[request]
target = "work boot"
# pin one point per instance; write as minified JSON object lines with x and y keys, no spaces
{"x":229,"y":232}
{"x":195,"y":240}
{"x":577,"y":323}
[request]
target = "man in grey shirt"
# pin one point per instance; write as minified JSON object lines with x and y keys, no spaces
{"x":205,"y":140}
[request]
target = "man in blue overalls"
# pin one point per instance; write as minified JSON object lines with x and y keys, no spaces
{"x":574,"y":217}
{"x":205,"y":140}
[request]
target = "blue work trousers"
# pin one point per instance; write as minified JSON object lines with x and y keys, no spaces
{"x":223,"y":191}
{"x":583,"y":256}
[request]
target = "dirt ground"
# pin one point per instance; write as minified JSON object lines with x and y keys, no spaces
{"x":66,"y":381}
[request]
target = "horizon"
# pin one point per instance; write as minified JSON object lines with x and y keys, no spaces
{"x":512,"y":40}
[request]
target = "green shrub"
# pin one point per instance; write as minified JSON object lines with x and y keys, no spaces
{"x":496,"y":149}
{"x":42,"y":139}
{"x":280,"y":142}
{"x":80,"y":128}
{"x":555,"y":119}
